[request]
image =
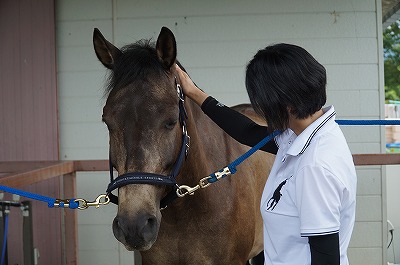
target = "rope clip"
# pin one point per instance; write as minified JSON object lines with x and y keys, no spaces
{"x":82,"y":204}
{"x":184,"y":190}
{"x":102,"y":199}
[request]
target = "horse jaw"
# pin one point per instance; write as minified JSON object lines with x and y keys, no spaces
{"x":138,"y":220}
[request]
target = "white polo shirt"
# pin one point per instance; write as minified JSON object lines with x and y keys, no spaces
{"x":311,"y":191}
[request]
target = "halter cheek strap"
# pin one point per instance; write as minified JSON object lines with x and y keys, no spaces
{"x":152,"y":178}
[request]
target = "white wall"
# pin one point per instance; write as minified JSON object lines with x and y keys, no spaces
{"x":215,"y":40}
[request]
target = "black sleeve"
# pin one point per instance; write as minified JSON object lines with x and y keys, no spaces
{"x":237,"y":125}
{"x":325,"y":249}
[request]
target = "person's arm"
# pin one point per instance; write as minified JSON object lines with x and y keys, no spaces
{"x":237,"y":125}
{"x":325,"y":249}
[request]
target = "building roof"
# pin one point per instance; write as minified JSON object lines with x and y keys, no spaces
{"x":390,"y":12}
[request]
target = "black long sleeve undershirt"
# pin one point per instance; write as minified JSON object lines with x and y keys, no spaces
{"x":237,"y":125}
{"x":325,"y":249}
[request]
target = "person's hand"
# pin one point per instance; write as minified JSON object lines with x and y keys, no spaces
{"x":189,"y":88}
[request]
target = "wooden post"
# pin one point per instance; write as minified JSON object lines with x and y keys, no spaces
{"x":70,"y":233}
{"x":27,"y":233}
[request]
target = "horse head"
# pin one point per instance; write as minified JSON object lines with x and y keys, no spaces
{"x":145,"y":135}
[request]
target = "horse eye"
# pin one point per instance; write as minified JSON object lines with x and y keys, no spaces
{"x":170,"y":124}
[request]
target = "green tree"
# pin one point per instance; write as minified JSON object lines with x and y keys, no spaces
{"x":391,"y":51}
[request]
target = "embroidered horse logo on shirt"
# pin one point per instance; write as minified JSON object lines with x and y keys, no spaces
{"x":276,"y":196}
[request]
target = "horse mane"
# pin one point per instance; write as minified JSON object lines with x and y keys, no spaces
{"x":137,"y":61}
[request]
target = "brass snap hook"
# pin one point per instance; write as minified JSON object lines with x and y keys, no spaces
{"x":102,"y":199}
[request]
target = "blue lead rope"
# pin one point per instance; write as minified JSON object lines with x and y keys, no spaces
{"x":368,"y":122}
{"x":231,"y":168}
{"x":50,"y":201}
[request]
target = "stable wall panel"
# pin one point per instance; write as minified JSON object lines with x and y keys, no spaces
{"x":118,"y":255}
{"x":88,"y":84}
{"x":365,"y":148}
{"x":78,"y":59}
{"x":367,"y":235}
{"x":352,"y":77}
{"x":78,"y":10}
{"x":143,"y":8}
{"x":369,"y":181}
{"x":83,"y":109}
{"x":84,"y":153}
{"x":101,"y":257}
{"x":85,"y":135}
{"x":86,"y":241}
{"x":355,"y":103}
{"x":369,"y":208}
{"x":344,"y":51}
{"x":189,"y":29}
{"x":80,"y":33}
{"x":365,"y":256}
{"x":360,"y":134}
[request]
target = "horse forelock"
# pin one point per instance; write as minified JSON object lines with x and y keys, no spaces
{"x":138,"y":62}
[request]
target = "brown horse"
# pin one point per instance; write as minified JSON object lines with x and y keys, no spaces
{"x":220,"y":224}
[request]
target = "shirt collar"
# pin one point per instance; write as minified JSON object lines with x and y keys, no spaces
{"x":302,"y":141}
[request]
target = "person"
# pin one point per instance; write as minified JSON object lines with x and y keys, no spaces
{"x":308,"y":203}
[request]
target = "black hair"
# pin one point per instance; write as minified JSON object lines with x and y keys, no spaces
{"x":282,"y":78}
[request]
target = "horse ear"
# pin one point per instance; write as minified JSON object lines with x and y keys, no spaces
{"x":105,"y":51}
{"x":166,"y":47}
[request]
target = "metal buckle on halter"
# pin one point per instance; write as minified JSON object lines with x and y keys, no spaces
{"x":184,"y":130}
{"x":179,"y":92}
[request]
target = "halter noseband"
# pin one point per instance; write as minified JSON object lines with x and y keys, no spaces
{"x":152,"y":178}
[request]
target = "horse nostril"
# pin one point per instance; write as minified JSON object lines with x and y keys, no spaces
{"x":119,"y":228}
{"x":151,"y":221}
{"x":149,"y":228}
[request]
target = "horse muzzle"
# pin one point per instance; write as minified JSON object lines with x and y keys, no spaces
{"x":136,"y":234}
